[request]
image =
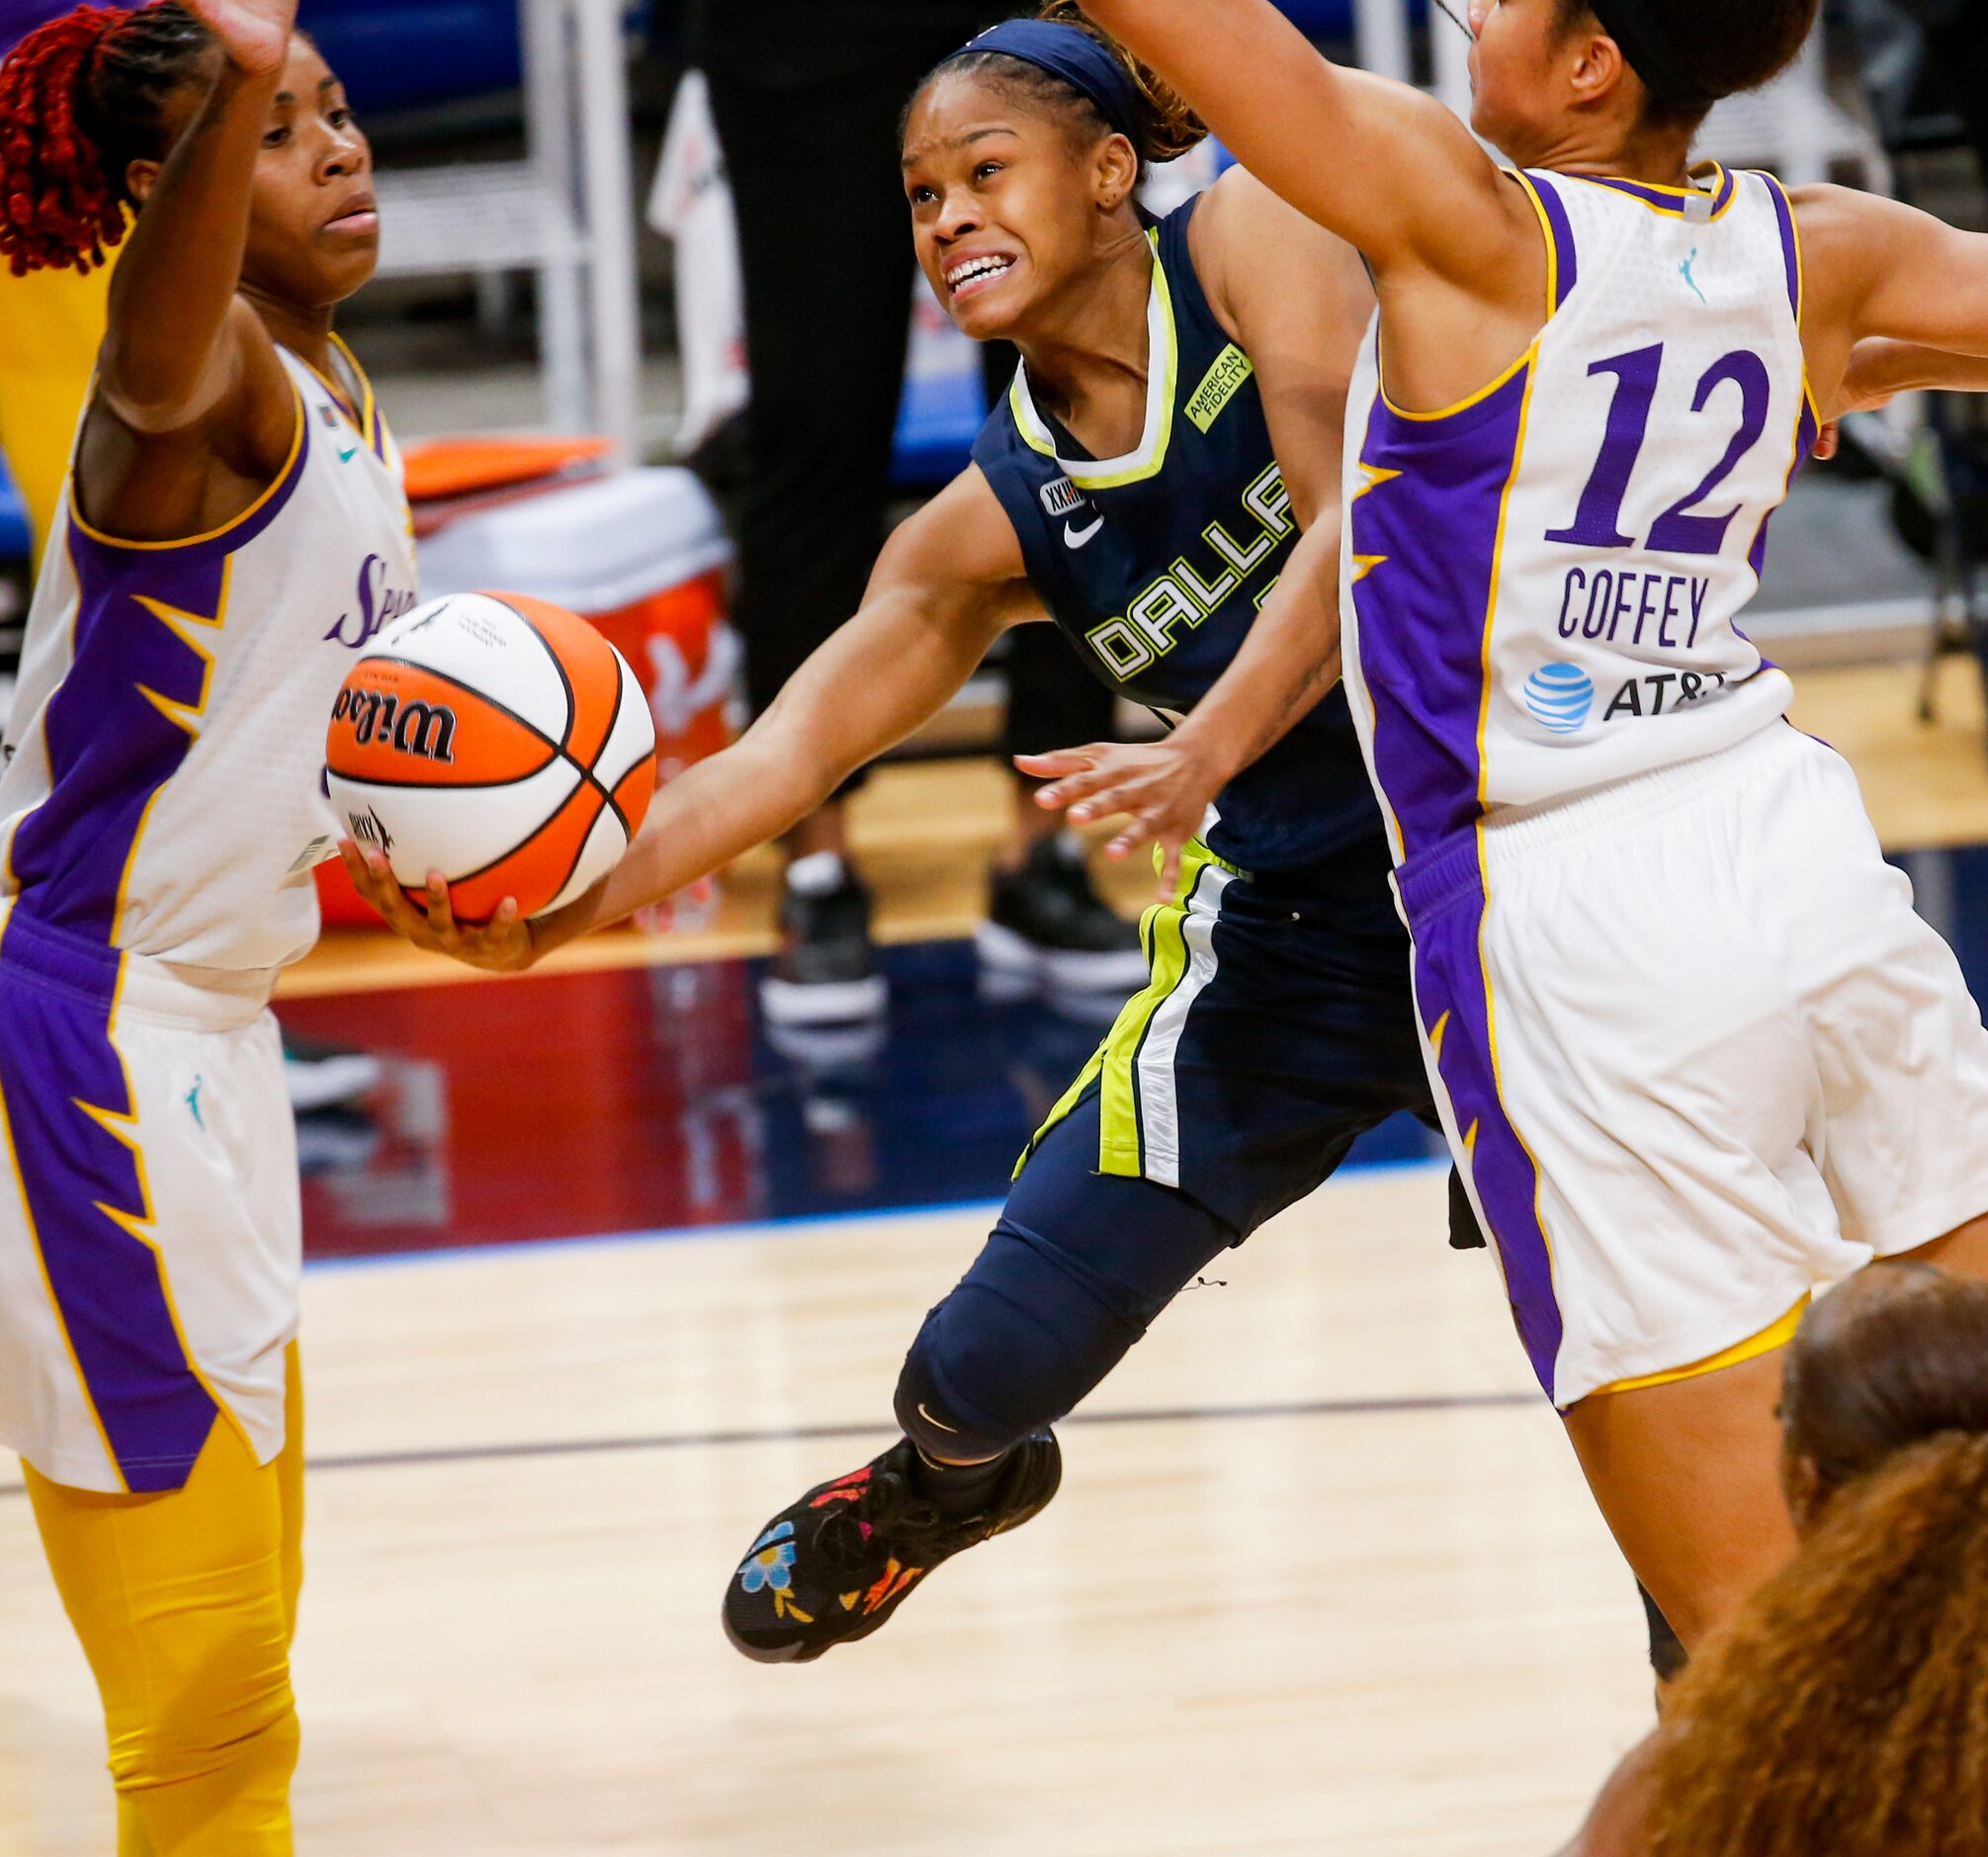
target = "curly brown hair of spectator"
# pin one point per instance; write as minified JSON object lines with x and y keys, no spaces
{"x":1845,"y":1711}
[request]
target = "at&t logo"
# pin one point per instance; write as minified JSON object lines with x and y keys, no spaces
{"x":1560,"y":697}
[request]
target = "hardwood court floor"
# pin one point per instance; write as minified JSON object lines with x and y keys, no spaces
{"x":1323,"y":1576}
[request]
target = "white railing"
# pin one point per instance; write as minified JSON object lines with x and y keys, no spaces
{"x":566,"y":212}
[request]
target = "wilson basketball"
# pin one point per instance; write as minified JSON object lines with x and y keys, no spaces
{"x":498,"y":739}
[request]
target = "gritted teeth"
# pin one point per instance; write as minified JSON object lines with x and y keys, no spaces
{"x":965,"y":274}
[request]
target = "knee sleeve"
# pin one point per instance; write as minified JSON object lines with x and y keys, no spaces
{"x":1078,"y":1264}
{"x":1019,"y":1342}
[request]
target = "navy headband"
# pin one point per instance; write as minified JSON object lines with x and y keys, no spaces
{"x":1071,"y":53}
{"x":1634,"y":25}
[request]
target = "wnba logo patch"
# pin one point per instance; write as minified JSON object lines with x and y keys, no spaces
{"x":1560,"y":697}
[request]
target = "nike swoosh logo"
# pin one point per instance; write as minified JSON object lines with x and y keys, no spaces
{"x":1079,"y":538}
{"x":954,"y":1430}
{"x":346,"y":457}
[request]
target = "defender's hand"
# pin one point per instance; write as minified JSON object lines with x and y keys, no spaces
{"x":1165,"y":787}
{"x":501,"y":945}
{"x":255,"y":33}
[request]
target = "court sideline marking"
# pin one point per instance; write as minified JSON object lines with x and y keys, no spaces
{"x":1406,"y":1404}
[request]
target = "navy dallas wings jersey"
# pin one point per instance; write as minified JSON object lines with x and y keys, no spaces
{"x":1156,"y":564}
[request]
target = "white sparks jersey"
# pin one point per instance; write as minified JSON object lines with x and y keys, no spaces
{"x":163,"y":788}
{"x":1543,"y":584}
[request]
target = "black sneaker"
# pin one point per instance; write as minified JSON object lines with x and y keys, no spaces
{"x":836,"y":1566}
{"x":1046,"y":920}
{"x":323,"y":1076}
{"x":825,"y":973}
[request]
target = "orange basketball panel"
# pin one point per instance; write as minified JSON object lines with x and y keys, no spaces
{"x":635,"y":791}
{"x":592,"y":670}
{"x":537,"y":871}
{"x":404,"y":724}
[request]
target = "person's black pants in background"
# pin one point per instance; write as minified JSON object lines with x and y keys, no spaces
{"x":826,"y":247}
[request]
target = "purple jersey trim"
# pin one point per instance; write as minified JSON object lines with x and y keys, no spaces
{"x":127,"y":713}
{"x":1790,"y":243}
{"x":1662,"y":199}
{"x":1806,"y":434}
{"x":83,"y":1187}
{"x":1444,"y":899}
{"x":1566,"y":258}
{"x":112,"y":740}
{"x":221,"y":542}
{"x":1423,"y":612}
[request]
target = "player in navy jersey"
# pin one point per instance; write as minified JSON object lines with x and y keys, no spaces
{"x":1159,"y":465}
{"x":1694,"y":1052}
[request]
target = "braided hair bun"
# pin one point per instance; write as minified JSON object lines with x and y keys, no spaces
{"x":80,"y":100}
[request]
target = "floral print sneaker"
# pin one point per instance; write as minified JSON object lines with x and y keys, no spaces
{"x":834,"y":1566}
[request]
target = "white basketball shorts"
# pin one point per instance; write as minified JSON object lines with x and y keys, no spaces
{"x":1696,"y":1056}
{"x":150,"y":1234}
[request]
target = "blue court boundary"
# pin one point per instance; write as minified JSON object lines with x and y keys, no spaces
{"x":791,"y":1225}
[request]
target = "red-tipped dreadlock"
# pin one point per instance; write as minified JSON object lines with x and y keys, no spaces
{"x":80,"y":100}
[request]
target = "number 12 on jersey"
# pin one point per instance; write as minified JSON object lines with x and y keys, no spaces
{"x":1679,"y":530}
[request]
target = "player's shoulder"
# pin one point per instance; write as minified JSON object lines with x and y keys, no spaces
{"x":1262,"y":261}
{"x":968,"y":535}
{"x":1237,"y":211}
{"x":1241,"y":226}
{"x":1845,"y":238}
{"x":1834,"y":220}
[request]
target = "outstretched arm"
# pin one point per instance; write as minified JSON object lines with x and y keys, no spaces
{"x":1390,"y":171}
{"x":1880,"y":370}
{"x":1875,"y":268}
{"x":947,"y":584}
{"x":163,"y":371}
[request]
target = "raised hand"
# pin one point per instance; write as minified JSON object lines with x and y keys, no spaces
{"x":1165,"y":787}
{"x":255,"y":33}
{"x":501,"y":945}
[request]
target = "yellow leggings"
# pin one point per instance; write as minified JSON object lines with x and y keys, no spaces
{"x":186,"y":1603}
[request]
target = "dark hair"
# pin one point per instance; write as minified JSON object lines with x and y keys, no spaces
{"x":1164,"y":129}
{"x":1845,"y":1710}
{"x":80,"y":100}
{"x":1898,"y":1354}
{"x":1720,"y":48}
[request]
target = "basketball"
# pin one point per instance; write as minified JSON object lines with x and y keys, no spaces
{"x":499,"y":740}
